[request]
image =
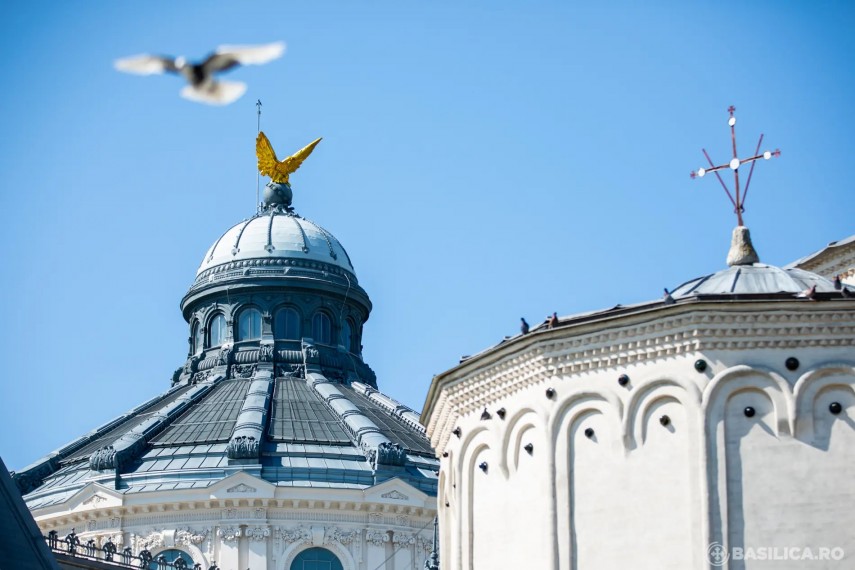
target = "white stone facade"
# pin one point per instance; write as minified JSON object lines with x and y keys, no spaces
{"x":244,"y":522}
{"x":712,"y":443}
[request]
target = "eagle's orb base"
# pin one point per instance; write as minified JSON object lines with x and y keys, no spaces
{"x":276,"y":194}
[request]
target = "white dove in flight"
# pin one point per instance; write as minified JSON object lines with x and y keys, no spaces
{"x":203,"y":87}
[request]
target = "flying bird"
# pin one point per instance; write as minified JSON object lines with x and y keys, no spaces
{"x":203,"y":87}
{"x":523,"y":326}
{"x":279,"y":170}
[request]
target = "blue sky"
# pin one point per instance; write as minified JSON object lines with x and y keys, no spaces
{"x":481,"y":161}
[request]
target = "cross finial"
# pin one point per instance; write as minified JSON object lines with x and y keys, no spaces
{"x":737,"y":199}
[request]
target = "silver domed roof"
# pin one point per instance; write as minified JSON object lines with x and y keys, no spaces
{"x":276,"y":235}
{"x":757,"y":278}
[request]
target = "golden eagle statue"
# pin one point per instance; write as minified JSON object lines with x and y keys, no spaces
{"x":277,"y":170}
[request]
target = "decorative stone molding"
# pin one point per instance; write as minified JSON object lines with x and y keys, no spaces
{"x":94,"y":501}
{"x":188,"y":536}
{"x":241,"y":488}
{"x":201,"y":376}
{"x":229,"y":513}
{"x":403,"y":538}
{"x":229,"y":533}
{"x":150,"y":541}
{"x":265,"y":353}
{"x":243,"y":447}
{"x":395,"y":495}
{"x":243,"y":370}
{"x":296,"y":534}
{"x":377,"y":537}
{"x":258,"y":533}
{"x":402,"y":520}
{"x":223,"y":357}
{"x":335,"y":534}
{"x":387,"y":454}
{"x":103,"y":459}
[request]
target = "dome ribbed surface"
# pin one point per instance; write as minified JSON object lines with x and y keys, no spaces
{"x":275,"y":236}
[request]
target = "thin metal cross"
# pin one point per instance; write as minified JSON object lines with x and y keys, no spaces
{"x":738,"y":200}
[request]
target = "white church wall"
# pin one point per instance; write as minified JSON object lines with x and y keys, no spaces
{"x":638,"y":493}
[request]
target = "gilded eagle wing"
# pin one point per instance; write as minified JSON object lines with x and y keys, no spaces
{"x":268,"y":164}
{"x":293,"y":162}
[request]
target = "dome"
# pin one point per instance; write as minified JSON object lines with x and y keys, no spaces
{"x":276,"y":235}
{"x":755,"y":279}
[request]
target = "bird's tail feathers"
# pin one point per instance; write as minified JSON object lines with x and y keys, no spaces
{"x":215,"y":92}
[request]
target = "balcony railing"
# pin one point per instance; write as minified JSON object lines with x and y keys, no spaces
{"x":109,"y":553}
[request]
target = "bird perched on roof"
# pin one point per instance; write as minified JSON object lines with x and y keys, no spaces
{"x":808,"y":293}
{"x":553,"y":320}
{"x":667,"y":298}
{"x":203,"y":87}
{"x":844,"y":290}
{"x":523,"y":326}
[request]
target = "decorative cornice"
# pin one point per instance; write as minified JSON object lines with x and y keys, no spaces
{"x":590,"y":347}
{"x":272,"y":267}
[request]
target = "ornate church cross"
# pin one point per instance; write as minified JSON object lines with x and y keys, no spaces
{"x":739,"y":200}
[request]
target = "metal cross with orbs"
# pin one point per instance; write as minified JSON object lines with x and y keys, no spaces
{"x":738,"y":200}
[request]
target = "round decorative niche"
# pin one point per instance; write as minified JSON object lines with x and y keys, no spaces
{"x":792,"y":363}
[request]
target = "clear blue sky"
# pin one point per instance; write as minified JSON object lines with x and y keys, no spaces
{"x":481,"y":161}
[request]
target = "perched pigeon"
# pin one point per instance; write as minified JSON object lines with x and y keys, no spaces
{"x":203,"y":87}
{"x":553,"y":320}
{"x":523,"y":326}
{"x":667,"y":298}
{"x":808,"y":293}
{"x":844,"y":290}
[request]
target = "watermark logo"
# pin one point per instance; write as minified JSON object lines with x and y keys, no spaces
{"x":718,"y":555}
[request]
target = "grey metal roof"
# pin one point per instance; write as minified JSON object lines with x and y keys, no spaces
{"x":211,"y":420}
{"x":316,"y":433}
{"x":831,"y":245}
{"x":755,"y":279}
{"x":299,"y":415}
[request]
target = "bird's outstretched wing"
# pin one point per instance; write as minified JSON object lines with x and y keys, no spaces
{"x":227,"y":57}
{"x":146,"y":64}
{"x":293,"y":162}
{"x":215,"y":92}
{"x":267,"y":161}
{"x":269,"y":165}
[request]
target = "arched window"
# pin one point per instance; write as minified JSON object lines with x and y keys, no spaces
{"x":198,"y":340}
{"x":347,"y":335}
{"x":249,"y":324}
{"x":316,"y":559}
{"x":321,"y":328}
{"x":286,"y":324}
{"x":217,"y":334}
{"x":172,"y":556}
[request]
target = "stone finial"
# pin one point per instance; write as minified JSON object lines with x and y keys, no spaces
{"x":741,"y":252}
